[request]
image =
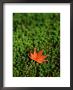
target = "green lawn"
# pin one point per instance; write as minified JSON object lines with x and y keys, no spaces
{"x":41,"y":31}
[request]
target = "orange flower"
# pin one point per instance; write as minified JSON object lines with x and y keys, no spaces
{"x":38,"y":57}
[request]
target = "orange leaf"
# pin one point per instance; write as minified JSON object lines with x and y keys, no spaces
{"x":38,"y":57}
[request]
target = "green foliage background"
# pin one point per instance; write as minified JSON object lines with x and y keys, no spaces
{"x":40,"y":30}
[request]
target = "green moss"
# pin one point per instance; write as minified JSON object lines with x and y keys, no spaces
{"x":40,"y":30}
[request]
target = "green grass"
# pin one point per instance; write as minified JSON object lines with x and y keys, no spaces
{"x":40,"y":30}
